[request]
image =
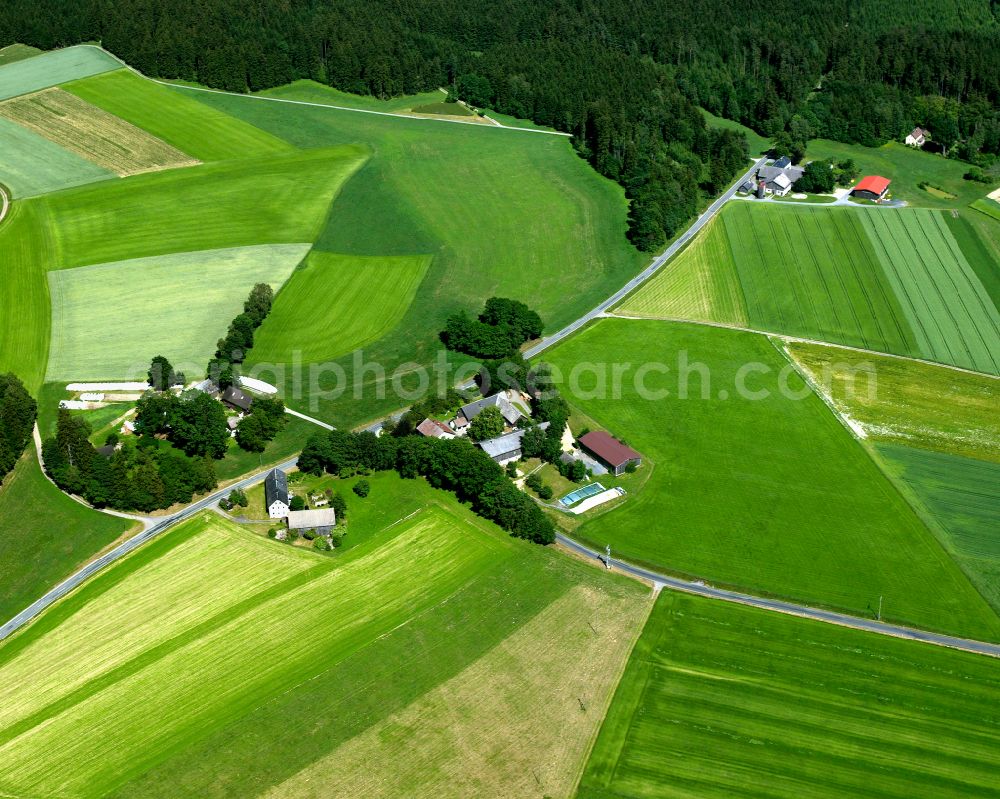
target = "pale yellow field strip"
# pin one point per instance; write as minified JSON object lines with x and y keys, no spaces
{"x":119,"y":731}
{"x":204,"y":575}
{"x":517,"y":722}
{"x":93,"y":133}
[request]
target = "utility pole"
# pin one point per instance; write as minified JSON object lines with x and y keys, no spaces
{"x":880,"y":607}
{"x":607,"y":558}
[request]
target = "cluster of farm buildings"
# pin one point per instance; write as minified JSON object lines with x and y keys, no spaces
{"x":778,"y":178}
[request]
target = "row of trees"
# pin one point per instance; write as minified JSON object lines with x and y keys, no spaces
{"x":231,"y":349}
{"x":455,"y":465}
{"x":144,"y":478}
{"x":17,"y":418}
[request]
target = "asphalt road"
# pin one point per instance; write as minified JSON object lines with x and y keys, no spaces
{"x":125,"y":547}
{"x":649,"y":271}
{"x":830,"y":617}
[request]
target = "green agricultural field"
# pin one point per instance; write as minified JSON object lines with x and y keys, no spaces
{"x":309,"y":91}
{"x":988,"y":207}
{"x":813,"y":272}
{"x":905,"y":167}
{"x":979,"y":239}
{"x":46,"y":536}
{"x":446,"y":109}
{"x":17,"y":52}
{"x":699,"y":284}
{"x":948,"y":309}
{"x":758,"y":144}
{"x":51,"y":69}
{"x":216,"y":634}
{"x":906,"y":402}
{"x":335,"y":304}
{"x":507,"y":213}
{"x":190,"y":126}
{"x":274,"y":200}
{"x":720,"y":700}
{"x":961,"y":495}
{"x":741,"y":488}
{"x":109,"y":320}
{"x":34,"y":165}
{"x":92,"y":133}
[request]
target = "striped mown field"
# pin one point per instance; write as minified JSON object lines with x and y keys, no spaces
{"x":52,"y":68}
{"x":699,"y":284}
{"x":92,"y":133}
{"x":719,"y":700}
{"x":34,"y":165}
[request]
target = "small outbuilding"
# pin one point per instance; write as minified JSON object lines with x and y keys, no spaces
{"x":236,"y":399}
{"x":871,"y":187}
{"x":610,"y":451}
{"x":506,"y":448}
{"x":432,"y":428}
{"x":322,"y":520}
{"x":276,"y":494}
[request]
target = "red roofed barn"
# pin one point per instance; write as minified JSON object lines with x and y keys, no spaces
{"x":610,"y":451}
{"x":872,"y":187}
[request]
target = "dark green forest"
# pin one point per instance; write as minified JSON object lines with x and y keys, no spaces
{"x":624,"y":78}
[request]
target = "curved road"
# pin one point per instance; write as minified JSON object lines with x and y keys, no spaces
{"x":829,"y":616}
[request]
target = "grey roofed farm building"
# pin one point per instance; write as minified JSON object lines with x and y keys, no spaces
{"x":276,"y":494}
{"x":507,"y":447}
{"x":499,"y":401}
{"x":321,"y":519}
{"x":782,"y":162}
{"x":610,"y":451}
{"x":235,"y":398}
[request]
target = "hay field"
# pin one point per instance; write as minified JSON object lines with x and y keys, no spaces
{"x":337,"y":303}
{"x":92,"y":133}
{"x":52,"y":68}
{"x":720,"y":700}
{"x":33,"y":165}
{"x":699,"y":284}
{"x":109,"y":320}
{"x":744,"y":482}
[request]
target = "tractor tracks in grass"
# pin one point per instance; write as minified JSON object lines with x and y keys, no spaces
{"x":4,"y":202}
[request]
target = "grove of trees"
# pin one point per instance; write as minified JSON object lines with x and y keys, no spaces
{"x":17,"y":419}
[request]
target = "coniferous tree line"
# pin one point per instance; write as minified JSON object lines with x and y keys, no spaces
{"x":624,"y":78}
{"x":17,"y":419}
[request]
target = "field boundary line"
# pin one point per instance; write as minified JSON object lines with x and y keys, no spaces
{"x":321,"y":105}
{"x":4,"y":203}
{"x":799,"y":340}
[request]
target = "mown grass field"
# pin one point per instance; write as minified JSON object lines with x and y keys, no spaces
{"x":92,"y":133}
{"x":34,"y":165}
{"x":212,"y":633}
{"x":979,"y":239}
{"x":719,"y":700}
{"x":700,"y":284}
{"x":310,"y":91}
{"x":961,"y":495}
{"x":905,"y":167}
{"x":507,"y":215}
{"x":814,"y":272}
{"x":335,"y":304}
{"x":190,"y":126}
{"x":950,"y":312}
{"x":52,"y":68}
{"x":46,"y":535}
{"x":109,"y":320}
{"x":742,"y":488}
{"x":905,"y":402}
{"x":16,"y":52}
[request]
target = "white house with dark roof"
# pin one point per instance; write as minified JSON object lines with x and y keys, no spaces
{"x":276,"y":494}
{"x":917,"y":137}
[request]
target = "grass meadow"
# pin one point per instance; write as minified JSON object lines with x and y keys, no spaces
{"x":720,"y":700}
{"x":700,"y":284}
{"x":961,"y":496}
{"x":916,"y":404}
{"x":337,"y":303}
{"x":758,"y":144}
{"x":190,"y":126}
{"x":46,"y":535}
{"x":978,"y":237}
{"x":109,"y":320}
{"x":310,"y":91}
{"x":52,"y":68}
{"x":212,"y":633}
{"x":34,"y":165}
{"x":92,"y":133}
{"x":741,"y":490}
{"x":950,"y":312}
{"x":509,"y":213}
{"x":17,"y":52}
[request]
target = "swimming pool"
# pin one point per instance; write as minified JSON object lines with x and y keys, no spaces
{"x":581,"y":493}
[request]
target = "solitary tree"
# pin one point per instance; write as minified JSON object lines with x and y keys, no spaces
{"x":361,"y":488}
{"x":161,"y":374}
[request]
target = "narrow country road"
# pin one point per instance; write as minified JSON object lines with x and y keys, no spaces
{"x":649,"y":271}
{"x":790,"y":608}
